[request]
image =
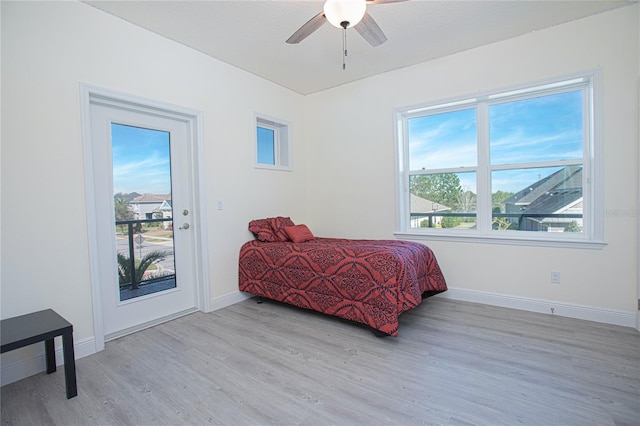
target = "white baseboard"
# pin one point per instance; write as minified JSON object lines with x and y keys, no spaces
{"x":589,"y":313}
{"x":228,"y":300}
{"x":35,"y":362}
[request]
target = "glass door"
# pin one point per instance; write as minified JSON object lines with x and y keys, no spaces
{"x":144,"y":198}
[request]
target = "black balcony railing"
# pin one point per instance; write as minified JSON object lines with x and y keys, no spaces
{"x":521,"y":217}
{"x":135,"y":227}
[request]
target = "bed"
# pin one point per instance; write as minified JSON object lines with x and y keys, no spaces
{"x":367,"y":281}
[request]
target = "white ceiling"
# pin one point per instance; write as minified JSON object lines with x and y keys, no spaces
{"x":251,"y":34}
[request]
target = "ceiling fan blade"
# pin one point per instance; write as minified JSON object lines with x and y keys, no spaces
{"x":370,"y":31}
{"x":305,"y":31}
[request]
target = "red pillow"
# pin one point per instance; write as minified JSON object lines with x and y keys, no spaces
{"x":299,"y":233}
{"x":261,"y":228}
{"x":278,"y":225}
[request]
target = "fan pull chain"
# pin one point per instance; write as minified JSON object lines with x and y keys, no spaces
{"x":344,"y":48}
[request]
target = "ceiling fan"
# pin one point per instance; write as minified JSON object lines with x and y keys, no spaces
{"x":345,"y":14}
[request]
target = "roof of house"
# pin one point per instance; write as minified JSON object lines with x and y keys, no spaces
{"x":422,"y":205}
{"x":552,"y":193}
{"x":151,"y":198}
{"x":165,"y":206}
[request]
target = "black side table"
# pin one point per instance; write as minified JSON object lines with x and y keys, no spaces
{"x":38,"y":327}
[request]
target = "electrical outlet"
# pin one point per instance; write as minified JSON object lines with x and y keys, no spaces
{"x":555,"y":277}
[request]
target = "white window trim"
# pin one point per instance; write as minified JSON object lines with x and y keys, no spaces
{"x":282,"y":142}
{"x":593,"y":175}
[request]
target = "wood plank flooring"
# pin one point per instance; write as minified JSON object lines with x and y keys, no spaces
{"x":453,"y":363}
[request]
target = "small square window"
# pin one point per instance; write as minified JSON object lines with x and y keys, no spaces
{"x":273,"y":150}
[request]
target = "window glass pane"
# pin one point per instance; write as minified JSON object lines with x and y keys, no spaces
{"x":540,"y":199}
{"x":143,"y":210}
{"x":266,"y":146}
{"x":441,"y":200}
{"x":443,"y":140}
{"x":545,"y":128}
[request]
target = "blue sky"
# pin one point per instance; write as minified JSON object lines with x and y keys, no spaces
{"x":265,"y":146}
{"x":536,"y":129}
{"x":141,"y":160}
{"x":545,"y":128}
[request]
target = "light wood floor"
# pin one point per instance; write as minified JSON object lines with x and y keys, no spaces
{"x":453,"y":363}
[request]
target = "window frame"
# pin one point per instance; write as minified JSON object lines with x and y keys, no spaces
{"x":592,"y":162}
{"x":281,"y":142}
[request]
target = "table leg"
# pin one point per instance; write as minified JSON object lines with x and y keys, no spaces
{"x":50,"y":353}
{"x":69,"y":365}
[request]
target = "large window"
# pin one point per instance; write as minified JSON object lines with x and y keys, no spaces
{"x":518,"y":166}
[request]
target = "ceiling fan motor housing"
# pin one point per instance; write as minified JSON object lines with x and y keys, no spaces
{"x":344,"y":13}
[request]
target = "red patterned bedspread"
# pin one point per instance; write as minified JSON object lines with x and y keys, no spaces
{"x":367,"y":281}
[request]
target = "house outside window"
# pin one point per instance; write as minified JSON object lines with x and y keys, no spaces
{"x":273,"y":147}
{"x":519,"y":166}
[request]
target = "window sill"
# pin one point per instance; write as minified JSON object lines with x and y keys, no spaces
{"x":504,"y":240}
{"x":268,"y":167}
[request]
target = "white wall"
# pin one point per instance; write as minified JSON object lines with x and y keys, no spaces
{"x":48,"y":49}
{"x":343,"y":152}
{"x":352,"y":182}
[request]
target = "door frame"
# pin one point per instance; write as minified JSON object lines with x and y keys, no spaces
{"x":193,"y":118}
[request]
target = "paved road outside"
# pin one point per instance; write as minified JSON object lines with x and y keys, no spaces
{"x":149,"y":244}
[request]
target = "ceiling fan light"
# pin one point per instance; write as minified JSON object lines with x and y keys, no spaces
{"x":339,"y":11}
